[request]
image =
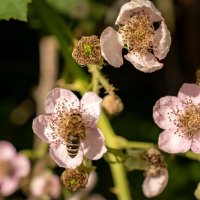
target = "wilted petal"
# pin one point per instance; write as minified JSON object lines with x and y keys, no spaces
{"x":134,"y":6}
{"x":162,"y":41}
{"x":111,"y":47}
{"x":173,"y":142}
{"x":144,"y":62}
{"x":90,"y":108}
{"x":60,"y":155}
{"x":21,"y":165}
{"x":154,"y":185}
{"x":8,"y":186}
{"x":190,"y":91}
{"x":94,"y":145}
{"x":7,"y":150}
{"x":41,"y":127}
{"x":163,"y":111}
{"x":59,"y":99}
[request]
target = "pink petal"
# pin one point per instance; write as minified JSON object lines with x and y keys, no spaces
{"x":60,"y":155}
{"x":162,"y":111}
{"x":38,"y":186}
{"x":172,"y":142}
{"x":162,"y":40}
{"x":111,"y":47}
{"x":134,"y":6}
{"x":153,"y":186}
{"x":94,"y":144}
{"x":55,"y":187}
{"x":59,"y":99}
{"x":8,"y":151}
{"x":195,"y":147}
{"x":144,"y":62}
{"x":190,"y":91}
{"x":9,"y":185}
{"x":21,"y":165}
{"x":41,"y":127}
{"x":90,"y":108}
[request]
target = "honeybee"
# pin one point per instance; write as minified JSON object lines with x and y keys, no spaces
{"x":75,"y":132}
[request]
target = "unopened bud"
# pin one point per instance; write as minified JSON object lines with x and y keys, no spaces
{"x":156,"y":174}
{"x":74,"y":179}
{"x":87,"y":50}
{"x":112,"y":104}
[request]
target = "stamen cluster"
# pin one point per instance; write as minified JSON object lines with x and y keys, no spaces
{"x":87,"y":50}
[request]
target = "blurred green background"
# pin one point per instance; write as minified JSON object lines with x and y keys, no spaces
{"x":19,"y":75}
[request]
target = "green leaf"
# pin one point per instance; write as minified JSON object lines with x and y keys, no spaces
{"x":14,"y":9}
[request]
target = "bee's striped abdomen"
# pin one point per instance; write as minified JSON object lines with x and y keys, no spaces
{"x":73,"y":143}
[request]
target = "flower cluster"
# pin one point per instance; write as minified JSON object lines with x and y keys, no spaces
{"x":70,"y":124}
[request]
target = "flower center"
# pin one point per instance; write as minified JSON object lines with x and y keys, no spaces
{"x":5,"y":168}
{"x":138,"y":32}
{"x":189,"y":120}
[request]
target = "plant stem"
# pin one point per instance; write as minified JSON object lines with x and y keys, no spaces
{"x":118,"y":172}
{"x":94,"y":69}
{"x":125,"y":144}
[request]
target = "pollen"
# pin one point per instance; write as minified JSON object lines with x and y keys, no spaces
{"x":87,"y":50}
{"x":188,"y":120}
{"x":65,"y":123}
{"x":138,"y":32}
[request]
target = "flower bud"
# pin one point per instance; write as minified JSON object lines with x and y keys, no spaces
{"x":156,"y":175}
{"x":112,"y":104}
{"x":154,"y":185}
{"x":87,"y":50}
{"x":74,"y":179}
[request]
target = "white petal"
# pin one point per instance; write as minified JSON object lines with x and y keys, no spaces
{"x":153,"y":186}
{"x":60,"y":155}
{"x":94,"y":144}
{"x":164,"y":112}
{"x":90,"y":108}
{"x":60,"y":99}
{"x":136,"y":5}
{"x":8,"y":151}
{"x":9,"y":185}
{"x":41,"y":127}
{"x":195,"y":147}
{"x":190,"y":91}
{"x":111,"y":47}
{"x":21,"y":165}
{"x":162,"y":40}
{"x":144,"y":62}
{"x":172,"y":142}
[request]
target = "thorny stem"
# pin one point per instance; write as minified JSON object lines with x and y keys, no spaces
{"x":95,"y":70}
